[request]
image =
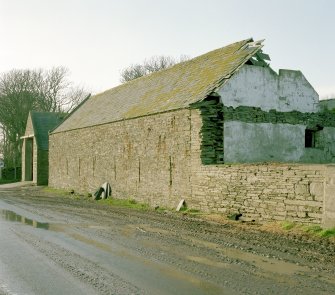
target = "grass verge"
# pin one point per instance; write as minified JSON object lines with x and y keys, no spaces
{"x":312,"y":230}
{"x":128,"y":203}
{"x":56,"y":191}
{"x":190,"y":211}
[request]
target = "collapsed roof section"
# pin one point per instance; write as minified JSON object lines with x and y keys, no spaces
{"x":171,"y":89}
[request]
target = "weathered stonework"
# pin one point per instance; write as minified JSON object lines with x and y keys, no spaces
{"x":257,"y":115}
{"x":258,"y":191}
{"x":145,"y":158}
{"x":163,"y":137}
{"x":160,"y":166}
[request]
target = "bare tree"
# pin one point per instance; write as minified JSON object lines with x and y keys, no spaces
{"x":1,"y":142}
{"x":153,"y":64}
{"x":22,"y":91}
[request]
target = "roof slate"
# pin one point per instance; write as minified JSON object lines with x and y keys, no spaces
{"x":44,"y":122}
{"x":170,"y":89}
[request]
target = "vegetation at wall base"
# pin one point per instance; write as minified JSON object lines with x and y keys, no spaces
{"x":127,"y":203}
{"x":311,"y":230}
{"x":287,"y":225}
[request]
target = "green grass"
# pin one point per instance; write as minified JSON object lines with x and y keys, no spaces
{"x":327,"y":233}
{"x":288,"y":225}
{"x":313,"y":230}
{"x":127,"y":203}
{"x":161,"y":209}
{"x":56,"y":191}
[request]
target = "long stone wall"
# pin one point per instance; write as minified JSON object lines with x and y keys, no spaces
{"x":146,"y":158}
{"x":157,"y":160}
{"x":261,"y":192}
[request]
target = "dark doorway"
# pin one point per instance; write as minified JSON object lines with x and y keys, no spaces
{"x":29,"y":159}
{"x":311,"y":136}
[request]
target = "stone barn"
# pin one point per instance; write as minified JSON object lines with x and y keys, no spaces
{"x":35,"y":146}
{"x":223,"y":131}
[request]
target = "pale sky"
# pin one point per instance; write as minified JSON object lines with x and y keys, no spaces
{"x":95,"y":39}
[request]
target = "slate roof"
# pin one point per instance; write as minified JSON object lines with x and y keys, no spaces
{"x":43,"y":122}
{"x":170,"y":89}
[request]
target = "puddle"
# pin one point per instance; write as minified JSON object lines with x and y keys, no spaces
{"x":165,"y":270}
{"x":264,"y":263}
{"x":91,"y":242}
{"x":12,"y":216}
{"x":208,"y":262}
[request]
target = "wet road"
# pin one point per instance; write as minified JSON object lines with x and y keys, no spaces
{"x":56,"y":245}
{"x":28,"y":248}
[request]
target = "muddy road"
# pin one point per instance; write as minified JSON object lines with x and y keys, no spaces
{"x":51,"y":244}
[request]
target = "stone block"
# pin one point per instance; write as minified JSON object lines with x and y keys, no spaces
{"x":291,"y":214}
{"x":302,"y":214}
{"x":278,"y":217}
{"x":301,"y":189}
{"x":291,"y":208}
{"x":315,"y":215}
{"x":316,"y":189}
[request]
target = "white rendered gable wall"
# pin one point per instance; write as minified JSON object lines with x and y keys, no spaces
{"x":255,"y":86}
{"x":261,"y":87}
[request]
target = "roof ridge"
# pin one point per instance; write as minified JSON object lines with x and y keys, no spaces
{"x":172,"y":88}
{"x":175,"y":65}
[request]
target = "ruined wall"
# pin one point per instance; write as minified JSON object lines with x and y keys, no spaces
{"x":263,"y":142}
{"x":147,"y":158}
{"x":268,"y":142}
{"x":266,"y":116}
{"x":250,"y":135}
{"x":269,"y":191}
{"x":261,"y":87}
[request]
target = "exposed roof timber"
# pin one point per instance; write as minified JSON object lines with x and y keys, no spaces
{"x":253,"y":44}
{"x":257,"y":47}
{"x":259,"y":59}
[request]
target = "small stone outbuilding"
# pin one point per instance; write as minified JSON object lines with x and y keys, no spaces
{"x":222,"y":131}
{"x":35,"y":147}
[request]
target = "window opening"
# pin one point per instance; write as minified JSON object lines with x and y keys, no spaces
{"x":311,"y":136}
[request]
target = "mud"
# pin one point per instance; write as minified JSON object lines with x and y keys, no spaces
{"x":114,"y":250}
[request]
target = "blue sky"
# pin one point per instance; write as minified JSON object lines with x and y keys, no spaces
{"x":95,"y":39}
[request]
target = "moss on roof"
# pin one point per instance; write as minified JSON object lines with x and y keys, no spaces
{"x":170,"y":89}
